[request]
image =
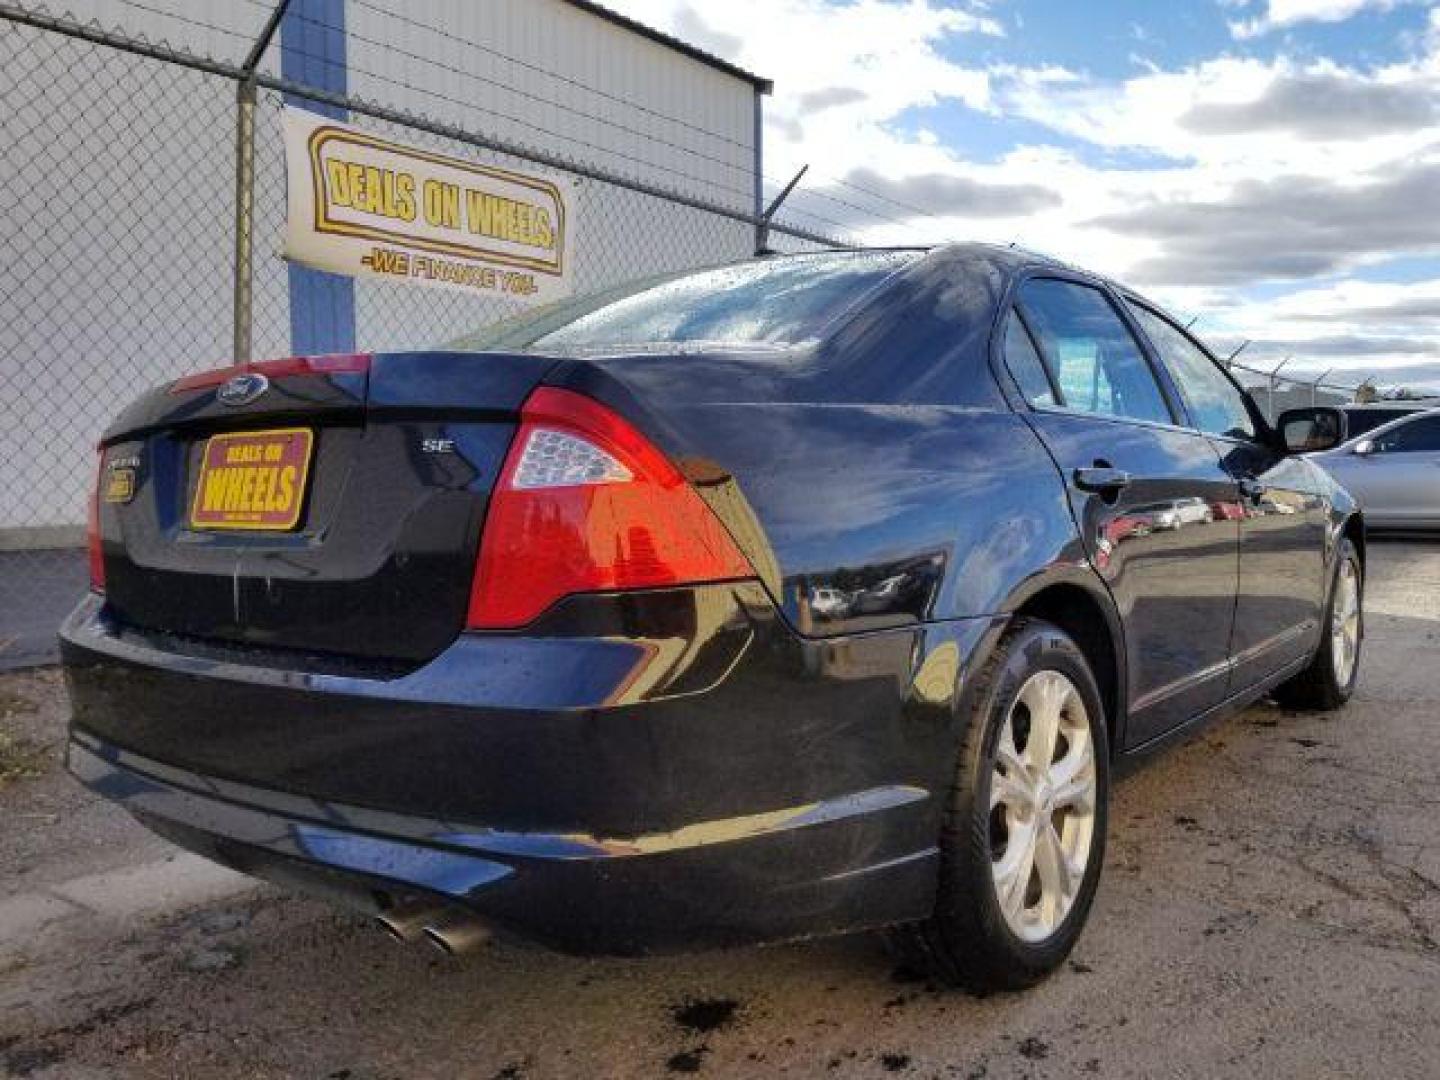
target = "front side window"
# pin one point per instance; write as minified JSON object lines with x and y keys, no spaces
{"x":1216,"y":404}
{"x":1091,"y":354}
{"x":1416,"y":437}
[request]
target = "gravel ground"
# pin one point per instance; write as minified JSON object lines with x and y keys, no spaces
{"x":1270,"y":907}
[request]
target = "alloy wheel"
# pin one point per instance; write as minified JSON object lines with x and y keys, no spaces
{"x":1042,"y":806}
{"x":1345,"y":623}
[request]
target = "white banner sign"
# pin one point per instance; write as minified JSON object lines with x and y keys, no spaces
{"x":363,"y":205}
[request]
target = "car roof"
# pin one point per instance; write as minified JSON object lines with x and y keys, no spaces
{"x":1017,"y":257}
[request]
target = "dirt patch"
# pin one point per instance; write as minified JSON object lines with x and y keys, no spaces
{"x":21,"y":759}
{"x":1033,"y":1048}
{"x":1253,"y":884}
{"x":31,"y":726}
{"x":687,"y":1061}
{"x":705,"y":1015}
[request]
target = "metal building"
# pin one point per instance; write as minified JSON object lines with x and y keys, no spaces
{"x":120,"y":174}
{"x":567,"y":77}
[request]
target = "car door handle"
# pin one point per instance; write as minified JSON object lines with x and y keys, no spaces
{"x":1101,"y":479}
{"x":1252,"y":489}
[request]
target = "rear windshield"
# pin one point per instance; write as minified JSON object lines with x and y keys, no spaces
{"x":785,"y":300}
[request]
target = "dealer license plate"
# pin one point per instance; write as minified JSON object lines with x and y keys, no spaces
{"x":252,"y":480}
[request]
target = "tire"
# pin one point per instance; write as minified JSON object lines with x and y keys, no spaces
{"x":1329,"y":680}
{"x":976,"y":939}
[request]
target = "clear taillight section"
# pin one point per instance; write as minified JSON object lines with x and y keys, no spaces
{"x":554,"y":459}
{"x":585,"y":503}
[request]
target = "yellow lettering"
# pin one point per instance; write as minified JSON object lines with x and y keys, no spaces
{"x":338,"y":180}
{"x":506,"y":219}
{"x":405,"y":196}
{"x":287,"y":486}
{"x":442,"y":204}
{"x":264,"y":488}
{"x":245,"y":487}
{"x":210,"y":498}
{"x":354,"y":182}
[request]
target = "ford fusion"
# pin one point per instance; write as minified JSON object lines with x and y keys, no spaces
{"x":799,"y":596}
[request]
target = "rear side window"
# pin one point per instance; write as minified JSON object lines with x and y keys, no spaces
{"x":1415,"y":437}
{"x":1091,"y":354}
{"x":1025,"y":364}
{"x":1359,"y":421}
{"x":1215,"y":403}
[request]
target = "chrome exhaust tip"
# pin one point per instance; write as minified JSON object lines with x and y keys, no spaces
{"x":455,"y":933}
{"x":408,"y":923}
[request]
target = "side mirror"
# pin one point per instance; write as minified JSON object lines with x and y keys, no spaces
{"x":1365,"y":447}
{"x":1306,"y":431}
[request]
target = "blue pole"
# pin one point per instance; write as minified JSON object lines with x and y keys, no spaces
{"x":312,"y":52}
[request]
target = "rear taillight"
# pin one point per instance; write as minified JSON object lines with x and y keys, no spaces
{"x":585,"y":503}
{"x":92,"y":531}
{"x":334,"y":364}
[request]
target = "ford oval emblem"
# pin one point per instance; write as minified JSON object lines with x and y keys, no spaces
{"x":242,"y":389}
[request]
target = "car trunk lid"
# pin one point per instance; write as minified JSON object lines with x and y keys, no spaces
{"x":321,"y":505}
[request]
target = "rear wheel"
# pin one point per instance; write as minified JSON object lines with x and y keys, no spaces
{"x":1330,"y":679}
{"x":1024,"y":835}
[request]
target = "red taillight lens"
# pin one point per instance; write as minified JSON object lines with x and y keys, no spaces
{"x":335,"y":364}
{"x":586,"y":504}
{"x":92,"y":531}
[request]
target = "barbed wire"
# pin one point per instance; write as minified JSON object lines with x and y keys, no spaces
{"x":197,"y":23}
{"x":870,"y":216}
{"x":590,"y":117}
{"x":538,"y":69}
{"x":869,"y":213}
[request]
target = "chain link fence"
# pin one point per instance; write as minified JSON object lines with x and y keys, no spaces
{"x":1275,"y":393}
{"x":117,"y":198}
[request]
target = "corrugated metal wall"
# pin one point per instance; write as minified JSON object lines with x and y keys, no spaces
{"x":143,"y":152}
{"x":547,"y":74}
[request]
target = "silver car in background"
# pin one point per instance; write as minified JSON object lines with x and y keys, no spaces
{"x":1393,"y":471}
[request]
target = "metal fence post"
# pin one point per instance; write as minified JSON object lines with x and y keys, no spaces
{"x":245,"y":99}
{"x":762,"y":226}
{"x":759,"y":139}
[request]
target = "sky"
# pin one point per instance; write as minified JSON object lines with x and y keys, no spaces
{"x":1270,"y":168}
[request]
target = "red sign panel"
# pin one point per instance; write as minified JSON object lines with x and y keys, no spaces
{"x":252,"y":480}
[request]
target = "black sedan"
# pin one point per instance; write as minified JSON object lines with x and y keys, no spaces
{"x":798,"y":596}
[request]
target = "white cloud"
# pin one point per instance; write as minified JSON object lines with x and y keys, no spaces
{"x":1279,"y":14}
{"x":1194,"y":182}
{"x":1353,"y":329}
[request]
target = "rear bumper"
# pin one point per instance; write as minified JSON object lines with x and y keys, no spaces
{"x":777,"y":875}
{"x":794,"y":789}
